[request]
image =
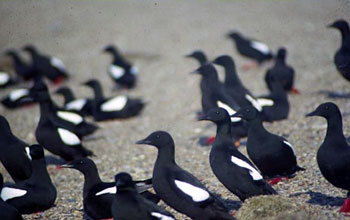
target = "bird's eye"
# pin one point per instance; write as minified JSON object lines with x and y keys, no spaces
{"x":247,"y":110}
{"x":327,"y":107}
{"x":217,"y":112}
{"x":157,"y":136}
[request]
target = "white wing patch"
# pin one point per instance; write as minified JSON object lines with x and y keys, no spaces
{"x":4,"y":78}
{"x":10,"y":193}
{"x":68,"y":137}
{"x":263,"y":48}
{"x":18,"y":93}
{"x":161,"y":216}
{"x":77,"y":104}
{"x":290,"y":145}
{"x":229,"y":110}
{"x":197,"y":194}
{"x":27,"y":149}
{"x":253,"y":172}
{"x":70,"y":116}
{"x":114,"y":104}
{"x":254,"y":102}
{"x":265,"y":102}
{"x":134,"y":70}
{"x":57,"y":63}
{"x":110,"y":190}
{"x":116,"y":71}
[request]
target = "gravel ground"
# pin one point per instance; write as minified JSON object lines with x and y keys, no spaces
{"x":156,"y":36}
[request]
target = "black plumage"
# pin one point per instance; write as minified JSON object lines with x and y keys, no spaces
{"x":199,"y":56}
{"x":333,"y":156}
{"x":22,"y":69}
{"x":7,"y":212}
{"x":18,"y":98}
{"x":342,"y":56}
{"x":128,"y":204}
{"x":231,"y":167}
{"x":179,"y":188}
{"x":97,"y":195}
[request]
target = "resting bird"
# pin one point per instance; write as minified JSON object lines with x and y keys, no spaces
{"x":121,"y":71}
{"x":342,"y":56}
{"x":22,"y":69}
{"x":7,"y":212}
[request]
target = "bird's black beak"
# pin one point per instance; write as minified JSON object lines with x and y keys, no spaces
{"x":330,"y":25}
{"x":204,"y":117}
{"x":236,"y":115}
{"x":189,"y":55}
{"x":195,"y":72}
{"x":67,"y":165}
{"x":314,"y":113}
{"x":144,"y":141}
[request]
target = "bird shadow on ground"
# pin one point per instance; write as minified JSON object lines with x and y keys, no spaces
{"x":232,"y":204}
{"x":52,"y":160}
{"x":335,"y":94}
{"x":317,"y":198}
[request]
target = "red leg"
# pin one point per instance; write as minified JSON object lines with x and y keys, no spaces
{"x":106,"y":218}
{"x":58,"y":80}
{"x":274,"y":181}
{"x":210,"y":140}
{"x":295,"y":91}
{"x":249,"y":66}
{"x":346,"y":206}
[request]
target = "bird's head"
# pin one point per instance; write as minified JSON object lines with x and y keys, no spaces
{"x":123,"y":181}
{"x":216,"y":115}
{"x":325,"y":110}
{"x":233,"y":35}
{"x":282,"y":53}
{"x":110,"y":49}
{"x":10,"y":52}
{"x":30,"y":48}
{"x":339,"y":24}
{"x":206,"y":70}
{"x":35,"y":152}
{"x":4,"y":126}
{"x":247,"y":113}
{"x":82,"y":164}
{"x":223,"y":60}
{"x":62,"y":90}
{"x":159,"y":139}
{"x":91,"y":83}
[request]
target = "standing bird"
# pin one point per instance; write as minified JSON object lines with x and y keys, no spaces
{"x":22,"y":69}
{"x":179,"y":188}
{"x":252,"y":49}
{"x":128,"y":204}
{"x":35,"y":194}
{"x":117,"y":107}
{"x":7,"y":212}
{"x":48,"y":66}
{"x":121,"y":71}
{"x":282,"y":73}
{"x":272,"y":154}
{"x":14,"y":153}
{"x":230,"y":166}
{"x":199,"y":56}
{"x":82,"y":106}
{"x":342,"y":56}
{"x":97,"y":195}
{"x":214,"y":95}
{"x":333,"y":156}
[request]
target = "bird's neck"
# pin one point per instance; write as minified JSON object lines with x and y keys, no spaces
{"x":166,"y":155}
{"x":91,"y":178}
{"x":45,"y":107}
{"x":345,"y":34}
{"x":16,"y":58}
{"x":256,"y":127}
{"x":280,"y":60}
{"x":68,"y":97}
{"x":231,"y":77}
{"x":98,"y":92}
{"x":202,"y":59}
{"x":223,"y":130}
{"x":39,"y":171}
{"x":335,"y":128}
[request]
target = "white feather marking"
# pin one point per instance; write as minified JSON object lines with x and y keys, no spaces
{"x":58,"y":64}
{"x":263,"y":48}
{"x":4,"y":78}
{"x":134,"y":70}
{"x":290,"y":145}
{"x":110,"y":190}
{"x":265,"y":102}
{"x":116,"y":71}
{"x":254,"y":102}
{"x":114,"y":104}
{"x":10,"y":193}
{"x":68,"y":137}
{"x":18,"y":93}
{"x":253,"y":172}
{"x":197,"y":194}
{"x":161,"y":216}
{"x":27,"y":149}
{"x":77,"y":104}
{"x":70,"y":116}
{"x":229,"y":110}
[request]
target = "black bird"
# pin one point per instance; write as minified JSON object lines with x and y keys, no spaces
{"x":214,"y":95}
{"x":69,"y":120}
{"x":234,"y":86}
{"x":48,"y":66}
{"x":14,"y":153}
{"x":55,"y":137}
{"x":18,"y":98}
{"x":275,"y":105}
{"x":121,"y":71}
{"x":231,"y":167}
{"x":272,"y":154}
{"x":115,"y":107}
{"x":199,"y":56}
{"x":22,"y":69}
{"x":252,"y":49}
{"x":333,"y":156}
{"x":282,"y":73}
{"x":35,"y":194}
{"x":7,"y":212}
{"x":97,"y":195}
{"x":179,"y":188}
{"x":128,"y":204}
{"x":342,"y":56}
{"x":82,"y":106}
